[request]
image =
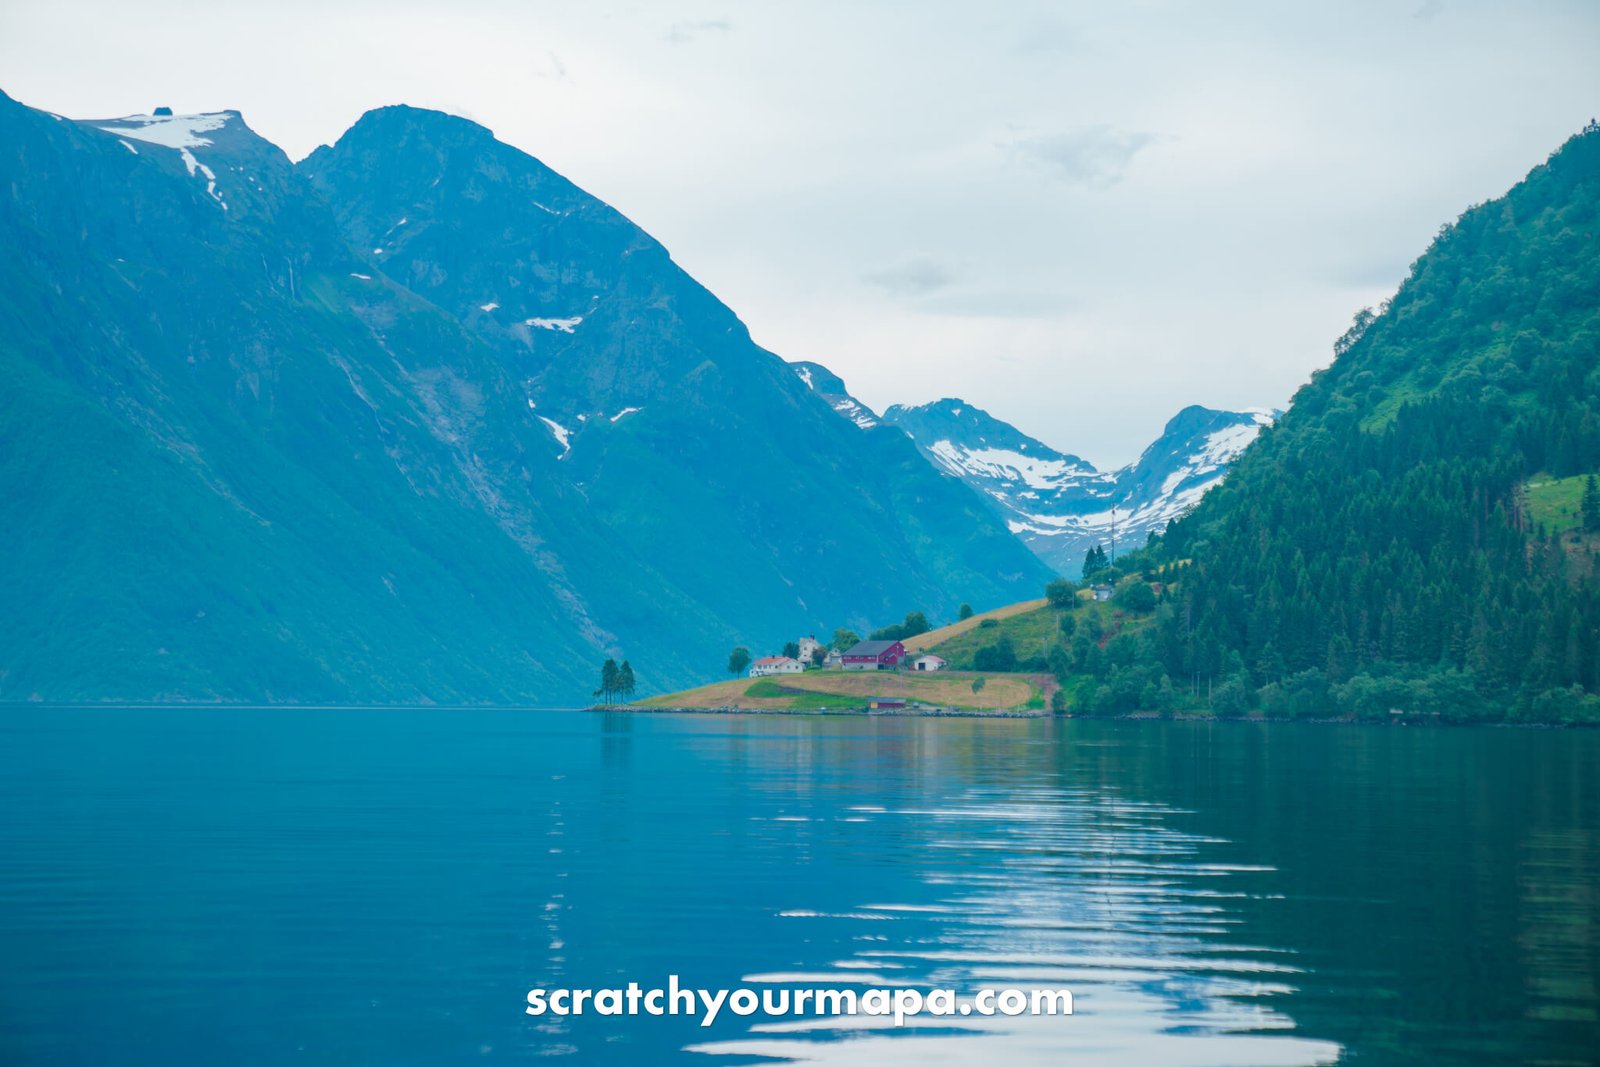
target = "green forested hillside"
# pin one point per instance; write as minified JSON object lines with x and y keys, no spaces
{"x":1375,"y":551}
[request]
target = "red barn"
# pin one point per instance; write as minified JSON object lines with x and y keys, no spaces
{"x":873,"y":656}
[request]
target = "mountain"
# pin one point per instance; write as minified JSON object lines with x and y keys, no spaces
{"x":831,"y":388}
{"x":1398,"y":543}
{"x":1059,"y":504}
{"x":414,"y":420}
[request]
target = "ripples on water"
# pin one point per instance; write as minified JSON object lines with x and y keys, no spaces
{"x":383,"y":887}
{"x":1059,"y":890}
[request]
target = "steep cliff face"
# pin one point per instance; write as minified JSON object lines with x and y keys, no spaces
{"x":417,"y":420}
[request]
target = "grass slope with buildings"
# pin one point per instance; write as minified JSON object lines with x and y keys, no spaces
{"x":1011,"y":660}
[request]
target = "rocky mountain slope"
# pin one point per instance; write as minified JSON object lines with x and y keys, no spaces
{"x":415,"y":420}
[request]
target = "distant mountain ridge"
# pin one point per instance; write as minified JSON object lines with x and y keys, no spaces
{"x":1060,"y":505}
{"x":414,"y":420}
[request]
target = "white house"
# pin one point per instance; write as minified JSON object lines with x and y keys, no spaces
{"x":929,"y":662}
{"x":775,"y":665}
{"x":808,"y":646}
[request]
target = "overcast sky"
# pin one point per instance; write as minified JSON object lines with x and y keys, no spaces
{"x":1081,"y":217}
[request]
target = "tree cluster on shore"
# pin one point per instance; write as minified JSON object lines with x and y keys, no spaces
{"x":616,"y":683}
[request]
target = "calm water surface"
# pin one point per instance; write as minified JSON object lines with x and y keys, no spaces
{"x":383,"y":887}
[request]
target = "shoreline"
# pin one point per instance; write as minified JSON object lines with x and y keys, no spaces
{"x":1430,"y":722}
{"x":857,"y":712}
{"x":854,"y":712}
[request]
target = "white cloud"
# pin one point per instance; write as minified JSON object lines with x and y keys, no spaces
{"x":1095,"y":156}
{"x":686,"y":32}
{"x":917,"y":276}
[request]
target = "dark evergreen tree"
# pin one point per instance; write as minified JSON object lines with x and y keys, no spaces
{"x":609,"y":676}
{"x":1373,"y":552}
{"x":998,"y":657}
{"x":738,"y":660}
{"x":915,"y":623}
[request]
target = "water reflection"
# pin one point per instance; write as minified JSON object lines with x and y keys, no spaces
{"x":337,"y":886}
{"x":1048,"y":888}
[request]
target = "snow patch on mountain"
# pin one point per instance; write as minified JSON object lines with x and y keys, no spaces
{"x":559,"y":432}
{"x":1004,"y":465}
{"x":193,"y":165}
{"x":856,"y":412}
{"x":1060,"y":505}
{"x":830,"y":387}
{"x":1216,"y":451}
{"x":180,"y":132}
{"x":562,"y":325}
{"x":170,"y":131}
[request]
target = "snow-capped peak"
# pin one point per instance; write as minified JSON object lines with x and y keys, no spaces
{"x":180,"y":132}
{"x":172,"y":131}
{"x":1059,"y":504}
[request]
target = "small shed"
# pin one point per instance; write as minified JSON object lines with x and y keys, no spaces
{"x":929,"y":662}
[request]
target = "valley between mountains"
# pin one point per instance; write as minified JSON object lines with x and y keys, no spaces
{"x":418,"y":420}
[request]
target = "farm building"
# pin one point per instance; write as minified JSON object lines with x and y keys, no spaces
{"x":768,"y":665}
{"x":873,"y":656}
{"x":930,"y":662}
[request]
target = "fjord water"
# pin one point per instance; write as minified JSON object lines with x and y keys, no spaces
{"x":383,"y":887}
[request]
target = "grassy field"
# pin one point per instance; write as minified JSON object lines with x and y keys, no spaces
{"x":1034,"y":630}
{"x":924,"y":642}
{"x":1556,"y":502}
{"x":843,"y":690}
